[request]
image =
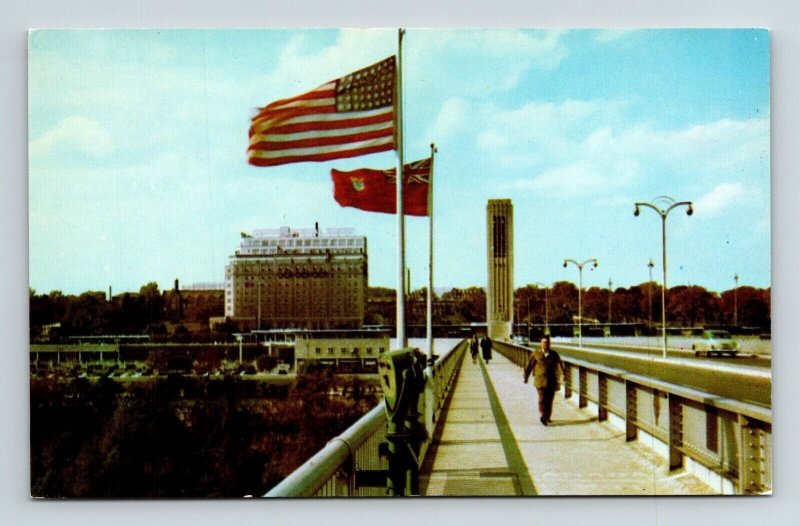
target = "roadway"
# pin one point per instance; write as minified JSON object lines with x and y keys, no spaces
{"x":744,"y":358}
{"x":737,"y":378}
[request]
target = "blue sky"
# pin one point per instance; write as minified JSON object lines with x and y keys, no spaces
{"x":138,"y":169}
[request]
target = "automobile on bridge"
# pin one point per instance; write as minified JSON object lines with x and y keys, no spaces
{"x":715,"y":343}
{"x":519,"y":339}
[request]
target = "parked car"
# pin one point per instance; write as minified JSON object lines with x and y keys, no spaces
{"x":715,"y":343}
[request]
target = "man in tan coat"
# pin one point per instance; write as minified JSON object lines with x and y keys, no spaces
{"x":548,"y":372}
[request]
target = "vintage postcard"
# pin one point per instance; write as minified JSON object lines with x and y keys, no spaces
{"x":395,"y":262}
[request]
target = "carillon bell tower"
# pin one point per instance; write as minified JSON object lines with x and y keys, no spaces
{"x":500,"y":260}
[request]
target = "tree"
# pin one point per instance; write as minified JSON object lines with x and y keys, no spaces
{"x":87,"y":314}
{"x":595,"y":303}
{"x":181,"y":334}
{"x":563,"y":302}
{"x":691,"y":306}
{"x":152,"y":303}
{"x":530,"y":301}
{"x":753,"y":307}
{"x":629,"y":305}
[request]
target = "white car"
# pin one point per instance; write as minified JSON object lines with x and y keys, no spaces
{"x":714,"y":343}
{"x":521,"y":340}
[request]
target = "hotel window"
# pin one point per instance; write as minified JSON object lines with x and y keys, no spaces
{"x":318,"y":351}
{"x":369,"y":350}
{"x":355,"y":351}
{"x":344,"y":351}
{"x":381,"y":350}
{"x":330,"y":350}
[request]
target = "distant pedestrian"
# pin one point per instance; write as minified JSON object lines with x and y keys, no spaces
{"x":486,"y":348}
{"x":548,"y":372}
{"x":473,"y":348}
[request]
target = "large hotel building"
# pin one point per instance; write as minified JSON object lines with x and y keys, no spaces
{"x":298,"y":278}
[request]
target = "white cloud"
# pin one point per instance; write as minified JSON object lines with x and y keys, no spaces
{"x":543,"y":48}
{"x":477,"y":63}
{"x":451,"y":118}
{"x":496,"y":58}
{"x":302,"y":66}
{"x":580,"y":146}
{"x":540,"y":133}
{"x":492,"y":140}
{"x":584,"y":177}
{"x":74,"y":134}
{"x":724,"y":196}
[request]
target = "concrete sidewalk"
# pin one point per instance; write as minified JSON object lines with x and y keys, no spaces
{"x":492,"y":443}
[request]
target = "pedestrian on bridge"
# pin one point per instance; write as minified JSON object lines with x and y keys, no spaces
{"x":486,"y":348}
{"x":473,"y":348}
{"x":548,"y":373}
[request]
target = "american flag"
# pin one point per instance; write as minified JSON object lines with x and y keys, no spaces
{"x":347,"y":117}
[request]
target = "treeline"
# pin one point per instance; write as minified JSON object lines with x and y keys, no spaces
{"x":156,"y":313}
{"x":686,"y":305}
{"x":182,"y":436}
{"x":161,"y":315}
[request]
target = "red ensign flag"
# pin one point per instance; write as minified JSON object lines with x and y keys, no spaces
{"x":347,"y":117}
{"x":374,"y":190}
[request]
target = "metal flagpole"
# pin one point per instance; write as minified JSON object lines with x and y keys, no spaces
{"x":401,"y":242}
{"x":429,"y":336}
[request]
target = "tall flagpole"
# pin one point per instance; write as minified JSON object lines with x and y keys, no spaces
{"x":429,"y":335}
{"x":400,"y":173}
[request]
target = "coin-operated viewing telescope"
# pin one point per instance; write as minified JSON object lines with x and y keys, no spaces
{"x":402,"y":378}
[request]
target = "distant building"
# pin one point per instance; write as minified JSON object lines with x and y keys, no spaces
{"x":195,"y":302}
{"x":347,"y":351}
{"x":500,"y":263}
{"x":297,"y":278}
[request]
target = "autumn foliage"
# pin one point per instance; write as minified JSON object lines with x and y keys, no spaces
{"x":181,"y":436}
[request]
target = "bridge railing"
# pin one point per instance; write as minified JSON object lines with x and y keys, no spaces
{"x":341,"y":468}
{"x":728,"y":438}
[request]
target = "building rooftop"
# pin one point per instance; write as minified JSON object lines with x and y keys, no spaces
{"x":288,"y":241}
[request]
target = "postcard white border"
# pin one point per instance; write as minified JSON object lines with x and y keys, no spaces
{"x":781,"y":16}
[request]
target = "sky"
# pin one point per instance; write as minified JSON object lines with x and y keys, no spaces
{"x":138,"y":172}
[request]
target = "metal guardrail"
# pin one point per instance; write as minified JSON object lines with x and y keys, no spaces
{"x":730,"y":438}
{"x":334,"y":470}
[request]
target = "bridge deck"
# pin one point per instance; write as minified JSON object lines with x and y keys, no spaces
{"x":491,"y":443}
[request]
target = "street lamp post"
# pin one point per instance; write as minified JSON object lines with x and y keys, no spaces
{"x":528,"y":313}
{"x":580,"y":288}
{"x":528,"y":308}
{"x":546,"y":308}
{"x":610,"y":292}
{"x":239,"y":338}
{"x":650,"y":266}
{"x":670,"y":204}
{"x":736,"y":301}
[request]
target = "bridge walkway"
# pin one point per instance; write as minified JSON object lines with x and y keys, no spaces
{"x":490,"y":442}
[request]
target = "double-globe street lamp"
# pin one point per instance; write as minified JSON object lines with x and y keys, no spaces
{"x":670,"y":204}
{"x":580,"y":288}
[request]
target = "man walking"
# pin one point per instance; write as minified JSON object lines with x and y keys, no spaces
{"x":473,"y":348}
{"x":486,"y":349}
{"x":548,"y":371}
